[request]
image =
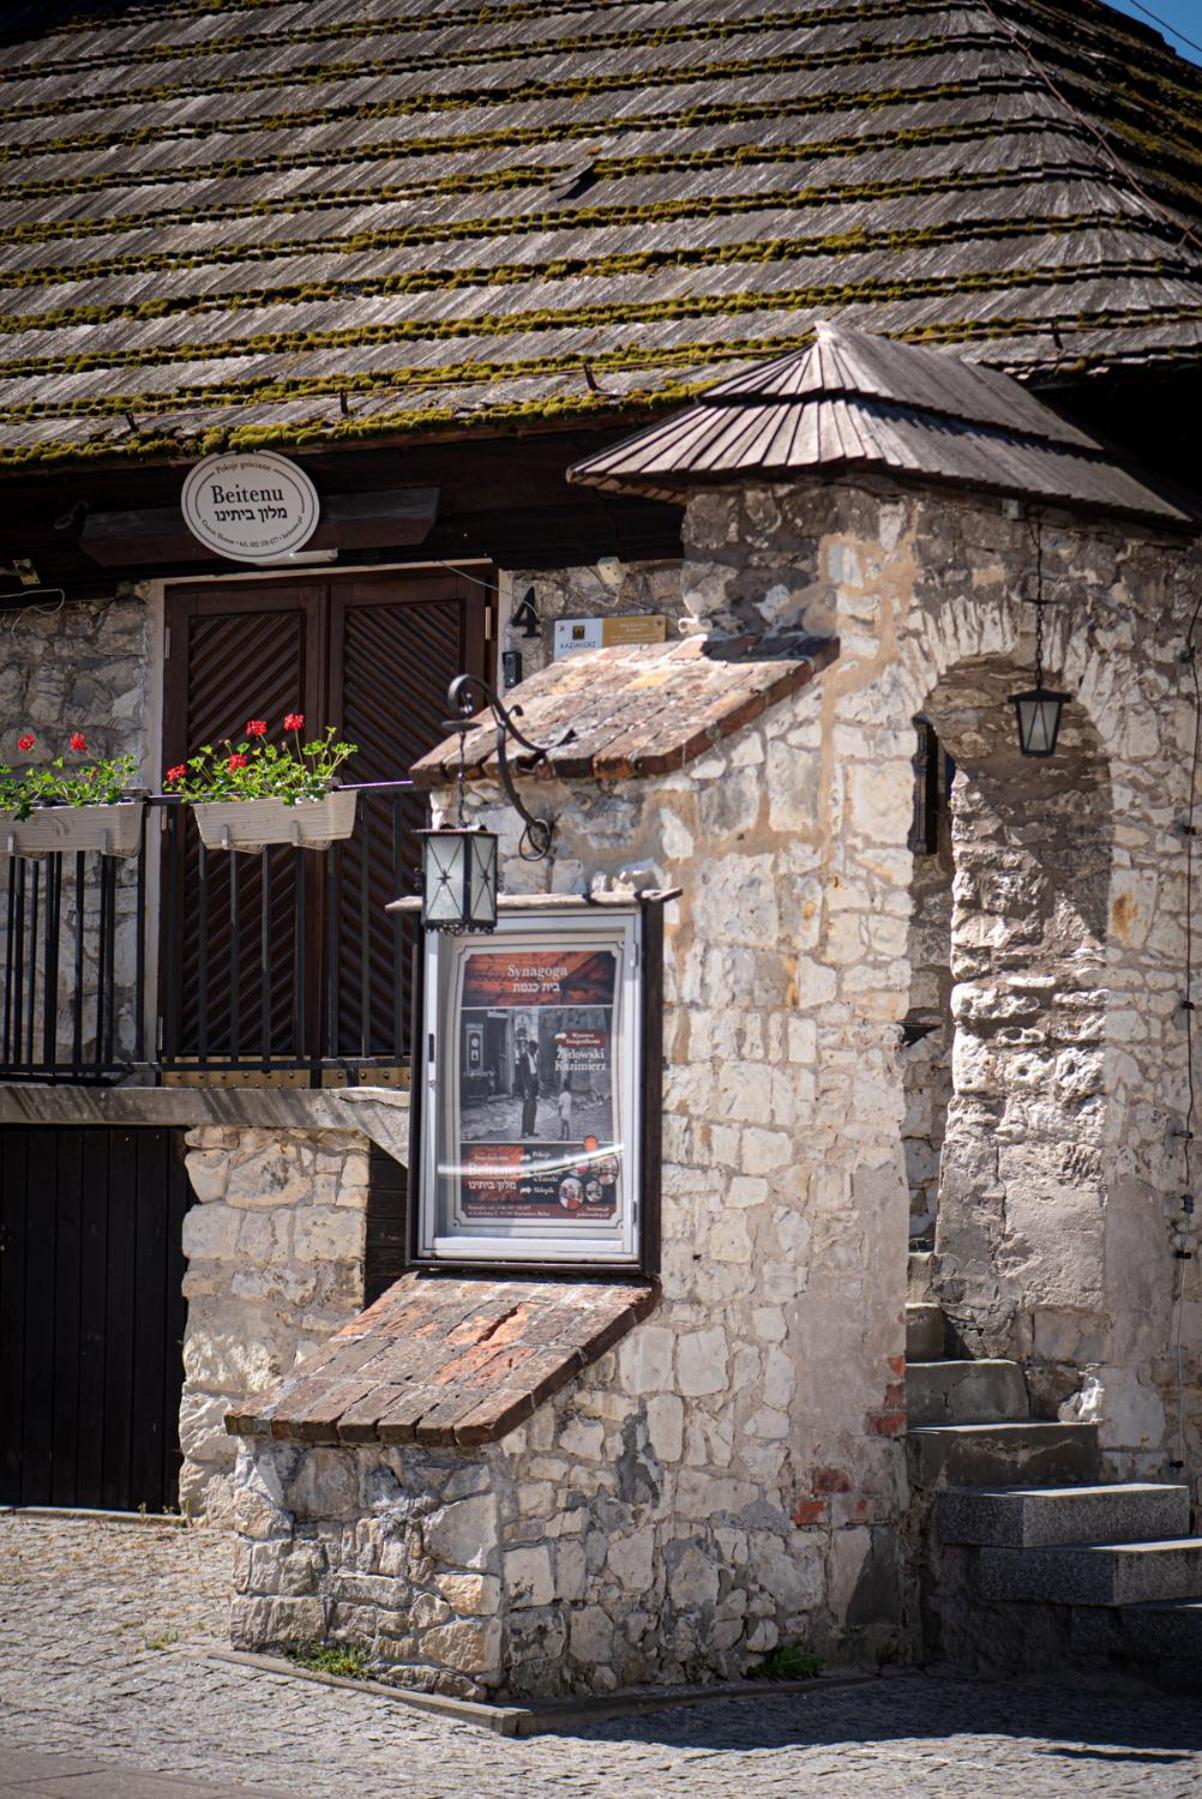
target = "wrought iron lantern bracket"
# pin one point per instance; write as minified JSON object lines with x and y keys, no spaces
{"x":536,"y":837}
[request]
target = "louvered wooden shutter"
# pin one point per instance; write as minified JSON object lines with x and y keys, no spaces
{"x":374,"y":657}
{"x":396,"y":643}
{"x":237,"y":654}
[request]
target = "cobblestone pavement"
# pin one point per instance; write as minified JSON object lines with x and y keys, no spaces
{"x":107,"y":1641}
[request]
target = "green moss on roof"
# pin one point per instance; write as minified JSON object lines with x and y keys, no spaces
{"x":565,"y":217}
{"x":823,"y":295}
{"x":326,"y":112}
{"x":475,"y":372}
{"x":364,"y":29}
{"x":571,"y":44}
{"x":970,"y":239}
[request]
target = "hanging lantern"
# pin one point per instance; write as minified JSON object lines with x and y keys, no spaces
{"x":1039,"y":710}
{"x":459,"y":879}
{"x":459,"y":861}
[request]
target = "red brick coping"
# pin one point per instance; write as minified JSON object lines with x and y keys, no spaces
{"x":442,"y":1361}
{"x":642,"y":709}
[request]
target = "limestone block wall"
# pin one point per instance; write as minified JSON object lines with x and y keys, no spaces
{"x":275,"y":1252}
{"x":1064,"y":1158}
{"x":590,"y":1550}
{"x":768,"y":1387}
{"x":83,"y":666}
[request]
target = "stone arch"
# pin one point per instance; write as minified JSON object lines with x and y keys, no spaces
{"x":1021,"y":1218}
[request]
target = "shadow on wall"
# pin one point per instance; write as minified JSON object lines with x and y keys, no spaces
{"x":1021,"y":1184}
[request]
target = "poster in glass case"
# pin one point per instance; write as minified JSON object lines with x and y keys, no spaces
{"x":532,"y":1089}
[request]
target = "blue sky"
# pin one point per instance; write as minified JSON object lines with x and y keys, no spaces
{"x":1183,"y":15}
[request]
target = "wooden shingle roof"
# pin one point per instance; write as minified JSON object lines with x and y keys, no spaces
{"x":271,"y":221}
{"x":854,"y":401}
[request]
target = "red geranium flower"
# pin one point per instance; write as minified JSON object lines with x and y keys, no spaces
{"x":27,"y":742}
{"x":256,"y":727}
{"x":177,"y":773}
{"x":78,"y":741}
{"x":294,"y":721}
{"x":236,"y":761}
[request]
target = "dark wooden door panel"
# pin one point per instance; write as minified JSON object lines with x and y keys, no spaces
{"x":91,"y":1316}
{"x":396,"y":645}
{"x":373,"y":656}
{"x":237,"y":654}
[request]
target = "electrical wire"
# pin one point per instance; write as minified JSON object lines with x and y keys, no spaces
{"x":1164,"y":25}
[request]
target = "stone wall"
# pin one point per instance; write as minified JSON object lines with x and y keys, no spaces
{"x":594,"y":1548}
{"x":591,"y":590}
{"x":83,"y":666}
{"x":1054,"y":1234}
{"x":275,"y":1252}
{"x":732,"y":1477}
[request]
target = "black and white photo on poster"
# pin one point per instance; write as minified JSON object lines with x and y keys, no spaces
{"x":537,"y":1124}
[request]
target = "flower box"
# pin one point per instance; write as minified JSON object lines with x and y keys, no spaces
{"x":113,"y":830}
{"x":253,"y":824}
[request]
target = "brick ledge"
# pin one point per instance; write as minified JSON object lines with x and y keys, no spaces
{"x":446,"y":1361}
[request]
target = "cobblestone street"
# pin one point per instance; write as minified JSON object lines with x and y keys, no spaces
{"x":109,"y":1635}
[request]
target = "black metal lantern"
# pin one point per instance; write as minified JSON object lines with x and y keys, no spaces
{"x":459,"y":861}
{"x":1039,"y":710}
{"x":459,"y":879}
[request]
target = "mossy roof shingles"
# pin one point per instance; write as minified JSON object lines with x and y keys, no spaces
{"x":287,"y":222}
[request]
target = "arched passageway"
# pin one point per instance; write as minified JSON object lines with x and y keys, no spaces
{"x":1020,"y":1206}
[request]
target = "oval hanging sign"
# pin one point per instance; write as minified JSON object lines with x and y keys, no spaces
{"x":257,"y":507}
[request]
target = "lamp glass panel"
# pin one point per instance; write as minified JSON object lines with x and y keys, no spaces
{"x":483,"y":900}
{"x":445,"y":884}
{"x":1038,"y":721}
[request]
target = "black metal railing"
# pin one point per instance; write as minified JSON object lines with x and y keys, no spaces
{"x":187,"y":959}
{"x":70,"y":1009}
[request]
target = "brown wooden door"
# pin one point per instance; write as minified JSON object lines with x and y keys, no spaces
{"x":373,"y":655}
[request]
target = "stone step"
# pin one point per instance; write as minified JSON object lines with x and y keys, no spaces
{"x":1033,"y":1517}
{"x":919,"y":1271}
{"x":966,"y":1392}
{"x":924,"y":1332}
{"x":1021,"y":1454}
{"x":1171,"y":1629}
{"x":1114,"y":1574}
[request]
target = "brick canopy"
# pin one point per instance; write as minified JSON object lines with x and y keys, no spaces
{"x":644,"y":709}
{"x":442,"y":1361}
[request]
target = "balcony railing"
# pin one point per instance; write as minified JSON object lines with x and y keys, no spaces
{"x":185,"y":961}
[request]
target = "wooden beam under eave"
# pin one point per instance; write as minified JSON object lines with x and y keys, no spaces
{"x":151,"y":536}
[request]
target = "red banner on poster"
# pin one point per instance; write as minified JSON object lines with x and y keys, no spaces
{"x":539,"y":978}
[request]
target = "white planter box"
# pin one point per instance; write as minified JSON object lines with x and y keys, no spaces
{"x":113,"y":830}
{"x":251,"y":824}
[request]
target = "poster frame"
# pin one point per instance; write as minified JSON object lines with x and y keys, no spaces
{"x":555,"y":926}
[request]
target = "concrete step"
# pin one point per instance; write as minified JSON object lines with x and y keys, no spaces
{"x":924,"y":1332}
{"x":1161,"y":1640}
{"x":1032,"y":1517}
{"x":1112,"y":1574}
{"x":1022,"y":1454}
{"x":967,"y":1392}
{"x":1170,"y":1629}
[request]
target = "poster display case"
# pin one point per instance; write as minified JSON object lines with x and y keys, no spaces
{"x":530,"y":1136}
